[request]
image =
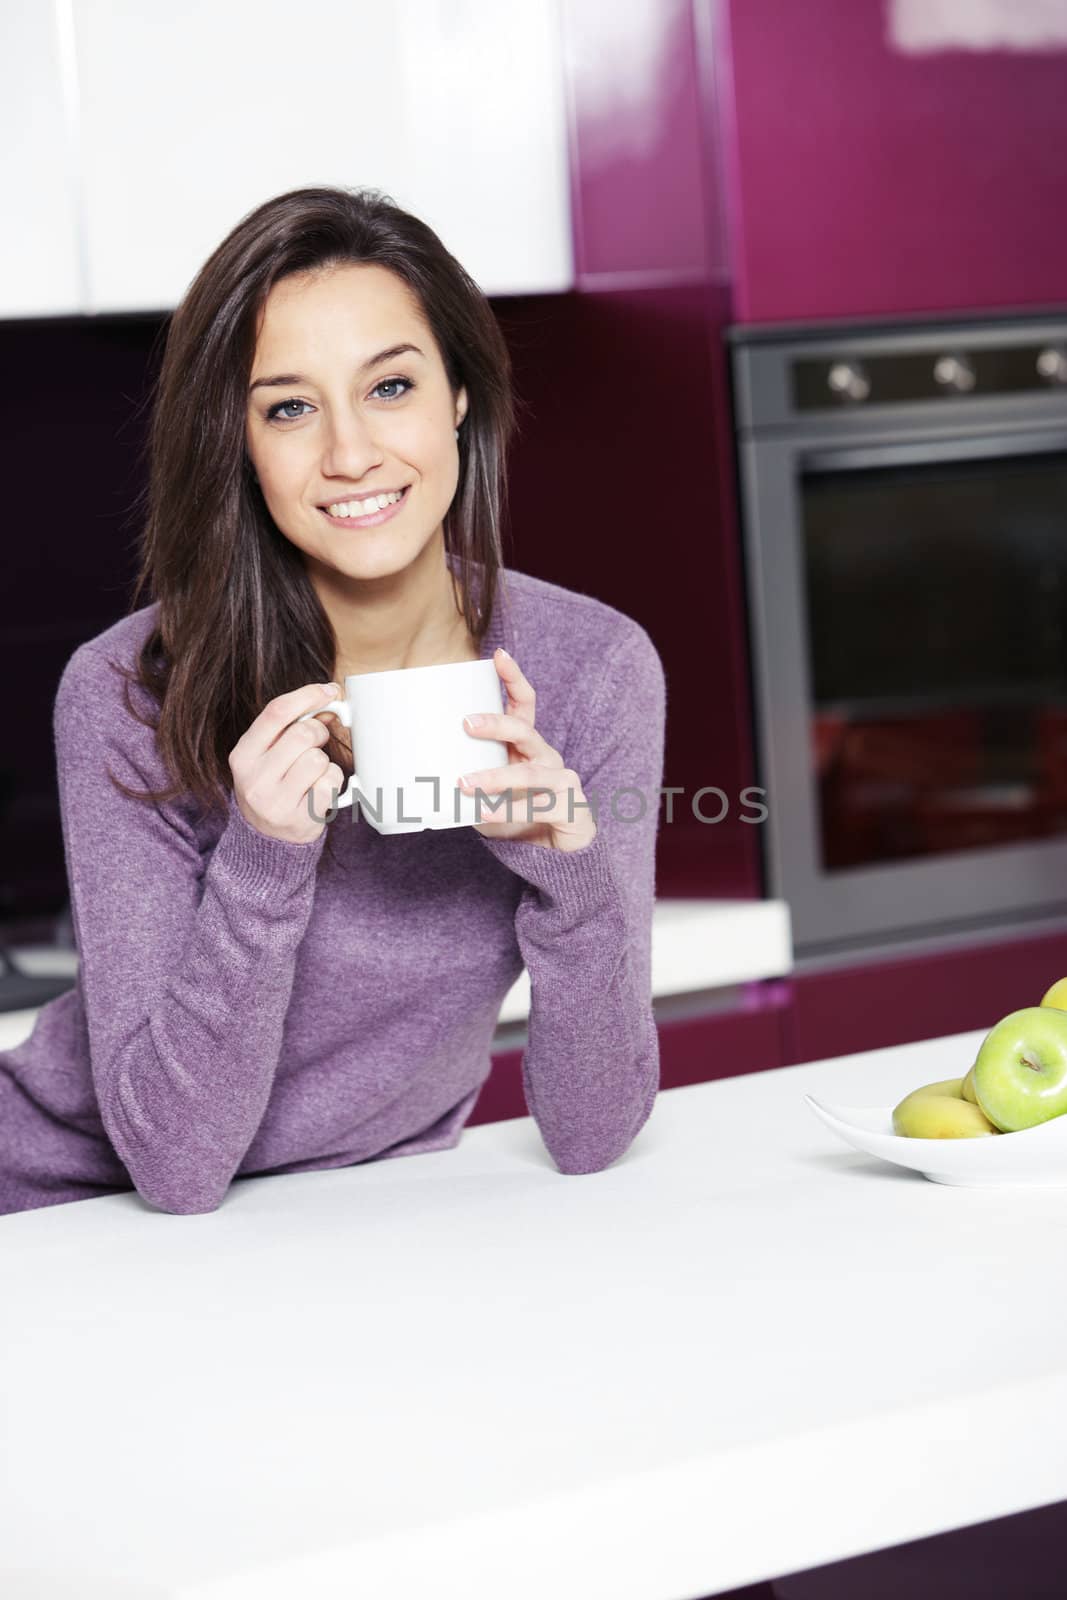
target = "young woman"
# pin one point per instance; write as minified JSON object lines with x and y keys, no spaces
{"x":261,"y":992}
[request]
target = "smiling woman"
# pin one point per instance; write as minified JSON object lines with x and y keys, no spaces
{"x":361,"y":441}
{"x":325,"y":498}
{"x":336,"y":347}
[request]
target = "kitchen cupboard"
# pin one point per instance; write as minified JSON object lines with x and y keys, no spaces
{"x":726,"y":1041}
{"x":163,"y":127}
{"x":869,"y":172}
{"x":193,"y":116}
{"x":39,"y":273}
{"x":844,"y":1009}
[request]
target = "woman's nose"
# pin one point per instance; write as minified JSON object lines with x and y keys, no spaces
{"x":351,"y":447}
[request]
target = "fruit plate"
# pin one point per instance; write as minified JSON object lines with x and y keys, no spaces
{"x":1033,"y":1158}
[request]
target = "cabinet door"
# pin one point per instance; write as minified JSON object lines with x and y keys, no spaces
{"x":194,"y":115}
{"x":847,"y":1009}
{"x":875,"y":173}
{"x":724,"y":1042}
{"x":38,"y":174}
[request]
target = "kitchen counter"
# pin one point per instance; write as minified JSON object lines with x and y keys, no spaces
{"x":696,"y":945}
{"x":742,"y":1350}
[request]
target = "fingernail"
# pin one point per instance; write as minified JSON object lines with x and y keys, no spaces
{"x":331,"y":688}
{"x":476,"y":720}
{"x":504,"y":652}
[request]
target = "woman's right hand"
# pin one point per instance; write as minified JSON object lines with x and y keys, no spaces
{"x":278,"y":761}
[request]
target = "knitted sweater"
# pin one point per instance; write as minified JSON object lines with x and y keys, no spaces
{"x":247,"y":1006}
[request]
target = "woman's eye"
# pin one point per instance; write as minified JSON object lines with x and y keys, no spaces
{"x":275,"y":411}
{"x":388,"y":383}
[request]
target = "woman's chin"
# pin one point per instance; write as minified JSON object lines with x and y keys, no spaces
{"x":362,"y":555}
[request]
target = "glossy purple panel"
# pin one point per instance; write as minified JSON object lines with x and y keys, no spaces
{"x":722,"y":1044}
{"x":636,"y":148}
{"x":866,"y":180}
{"x":891,"y":1002}
{"x":502,"y":1096}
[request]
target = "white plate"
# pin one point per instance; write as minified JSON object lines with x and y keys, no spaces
{"x":1032,"y":1158}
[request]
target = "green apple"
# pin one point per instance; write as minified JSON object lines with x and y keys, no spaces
{"x":939,"y":1111}
{"x":968,"y":1088}
{"x":1057,"y":995}
{"x":1020,"y":1073}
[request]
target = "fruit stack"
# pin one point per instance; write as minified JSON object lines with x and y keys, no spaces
{"x":1019,"y":1078}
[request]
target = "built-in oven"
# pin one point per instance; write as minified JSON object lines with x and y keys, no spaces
{"x":904,"y":506}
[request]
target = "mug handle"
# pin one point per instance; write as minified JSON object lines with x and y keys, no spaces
{"x":344,"y":712}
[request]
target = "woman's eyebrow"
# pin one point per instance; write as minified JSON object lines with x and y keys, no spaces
{"x":282,"y":380}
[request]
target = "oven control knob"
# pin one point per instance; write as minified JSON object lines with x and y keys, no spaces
{"x":1052,"y":364}
{"x":954,"y":372}
{"x":848,"y":379}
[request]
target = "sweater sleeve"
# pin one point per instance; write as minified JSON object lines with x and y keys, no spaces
{"x":590,"y":1070}
{"x":185,"y":970}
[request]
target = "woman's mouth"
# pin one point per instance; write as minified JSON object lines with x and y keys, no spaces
{"x":369,"y":519}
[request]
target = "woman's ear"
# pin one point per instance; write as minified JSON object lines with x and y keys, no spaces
{"x":461,"y":407}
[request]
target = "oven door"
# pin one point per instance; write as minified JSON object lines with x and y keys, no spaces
{"x":908,"y":621}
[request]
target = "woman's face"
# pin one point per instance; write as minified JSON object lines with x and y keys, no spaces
{"x":347,"y":416}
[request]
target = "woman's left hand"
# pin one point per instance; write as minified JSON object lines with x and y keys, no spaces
{"x":563,"y":824}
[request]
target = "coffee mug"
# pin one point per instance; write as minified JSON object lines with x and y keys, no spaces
{"x":410,"y":748}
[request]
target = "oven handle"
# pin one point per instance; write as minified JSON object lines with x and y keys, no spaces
{"x":853,"y":458}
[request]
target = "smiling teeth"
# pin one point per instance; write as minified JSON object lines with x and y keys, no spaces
{"x":364,"y":508}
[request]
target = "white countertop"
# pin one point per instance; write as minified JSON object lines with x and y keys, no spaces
{"x":696,"y":945}
{"x":742,"y":1350}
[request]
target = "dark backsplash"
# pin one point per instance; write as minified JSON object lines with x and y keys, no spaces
{"x":70,"y":449}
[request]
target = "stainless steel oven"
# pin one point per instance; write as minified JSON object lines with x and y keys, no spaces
{"x":904,"y":501}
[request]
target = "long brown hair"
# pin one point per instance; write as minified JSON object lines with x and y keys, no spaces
{"x":239,"y":620}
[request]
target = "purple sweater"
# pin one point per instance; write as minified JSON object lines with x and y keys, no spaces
{"x":247,"y":1006}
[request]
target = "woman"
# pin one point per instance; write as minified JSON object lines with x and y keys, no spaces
{"x":253,"y":996}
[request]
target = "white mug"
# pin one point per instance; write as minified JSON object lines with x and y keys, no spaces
{"x":410,"y":748}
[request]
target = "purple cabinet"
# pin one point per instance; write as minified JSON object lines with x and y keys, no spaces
{"x":644,"y":215}
{"x":848,"y":1009}
{"x":866,"y":176}
{"x":723,"y":1044}
{"x":501,"y":1097}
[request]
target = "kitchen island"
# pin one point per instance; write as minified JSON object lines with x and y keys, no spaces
{"x":741,"y":1351}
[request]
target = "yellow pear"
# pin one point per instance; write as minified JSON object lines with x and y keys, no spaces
{"x":953,"y":1087}
{"x":1057,"y":995}
{"x":939,"y":1111}
{"x":968,"y":1091}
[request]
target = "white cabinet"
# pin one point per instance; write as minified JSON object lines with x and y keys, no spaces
{"x":39,"y":273}
{"x":192,"y":115}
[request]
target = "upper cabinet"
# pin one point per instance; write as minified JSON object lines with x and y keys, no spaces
{"x":183,"y":119}
{"x":39,"y":267}
{"x":893,"y":157}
